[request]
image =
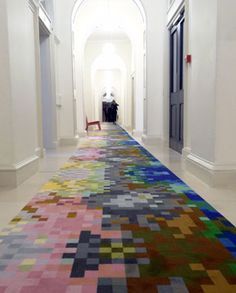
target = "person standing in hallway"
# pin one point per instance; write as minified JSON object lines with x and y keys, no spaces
{"x":105,"y":111}
{"x":114,"y":110}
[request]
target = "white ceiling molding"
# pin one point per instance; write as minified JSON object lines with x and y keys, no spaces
{"x":33,"y":5}
{"x":45,"y":19}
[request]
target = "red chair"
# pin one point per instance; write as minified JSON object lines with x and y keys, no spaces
{"x":92,"y":123}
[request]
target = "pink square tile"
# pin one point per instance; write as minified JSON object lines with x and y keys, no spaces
{"x":111,"y":271}
{"x":74,"y":289}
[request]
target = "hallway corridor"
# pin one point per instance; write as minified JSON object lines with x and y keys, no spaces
{"x":115,"y":219}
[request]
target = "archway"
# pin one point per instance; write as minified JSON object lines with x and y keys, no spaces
{"x":79,"y":3}
{"x":110,"y":18}
{"x":109,"y":70}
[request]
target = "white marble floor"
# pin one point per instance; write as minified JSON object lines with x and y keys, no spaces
{"x":13,"y":200}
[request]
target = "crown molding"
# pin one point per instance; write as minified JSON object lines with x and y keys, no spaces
{"x":33,"y":5}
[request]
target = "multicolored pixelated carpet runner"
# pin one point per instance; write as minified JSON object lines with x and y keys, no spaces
{"x":115,"y":220}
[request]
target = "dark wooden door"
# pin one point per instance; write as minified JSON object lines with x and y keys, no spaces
{"x":176,"y":85}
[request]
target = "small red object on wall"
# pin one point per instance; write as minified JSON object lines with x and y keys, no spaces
{"x":188,"y":59}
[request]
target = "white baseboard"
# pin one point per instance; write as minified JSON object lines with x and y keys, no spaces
{"x":126,"y":127}
{"x":211,"y":173}
{"x":137,"y":133}
{"x":151,"y":139}
{"x":83,"y":134}
{"x":14,"y":175}
{"x":50,"y":146}
{"x":53,"y":145}
{"x":69,"y":141}
{"x":40,"y":152}
{"x":185,"y":152}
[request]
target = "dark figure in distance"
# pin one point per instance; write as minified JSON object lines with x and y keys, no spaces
{"x":105,"y":111}
{"x":114,"y":108}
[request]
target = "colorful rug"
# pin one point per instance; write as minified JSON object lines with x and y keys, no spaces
{"x":115,"y":220}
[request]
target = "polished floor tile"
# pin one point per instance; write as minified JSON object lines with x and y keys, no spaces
{"x":12,"y":200}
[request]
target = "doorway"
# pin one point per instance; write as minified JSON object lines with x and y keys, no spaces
{"x":48,"y":96}
{"x":118,"y":23}
{"x":176,"y":84}
{"x":106,"y":85}
{"x":133,"y":102}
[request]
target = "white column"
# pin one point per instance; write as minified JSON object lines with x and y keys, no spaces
{"x":18,"y":130}
{"x":225,"y":155}
{"x":154,"y":102}
{"x":65,"y":90}
{"x":212,"y":94}
{"x":6,"y":119}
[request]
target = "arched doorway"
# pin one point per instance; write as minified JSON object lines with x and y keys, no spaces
{"x":109,"y":19}
{"x":108,"y":70}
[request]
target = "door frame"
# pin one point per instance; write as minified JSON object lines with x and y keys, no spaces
{"x":47,"y":88}
{"x":133,"y":94}
{"x":187,"y":71}
{"x":180,"y":17}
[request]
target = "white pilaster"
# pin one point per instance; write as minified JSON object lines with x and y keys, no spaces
{"x":18,"y":96}
{"x":211,"y":155}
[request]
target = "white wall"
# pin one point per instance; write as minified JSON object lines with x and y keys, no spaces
{"x":202,"y":38}
{"x":156,"y":29}
{"x":210,"y":91}
{"x":23,"y":78}
{"x":63,"y":31}
{"x":6,"y":123}
{"x":212,"y":42}
{"x":19,"y":142}
{"x":225,"y":84}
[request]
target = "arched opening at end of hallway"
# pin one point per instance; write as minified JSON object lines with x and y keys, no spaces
{"x":107,"y":66}
{"x":105,"y":95}
{"x":120,"y":25}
